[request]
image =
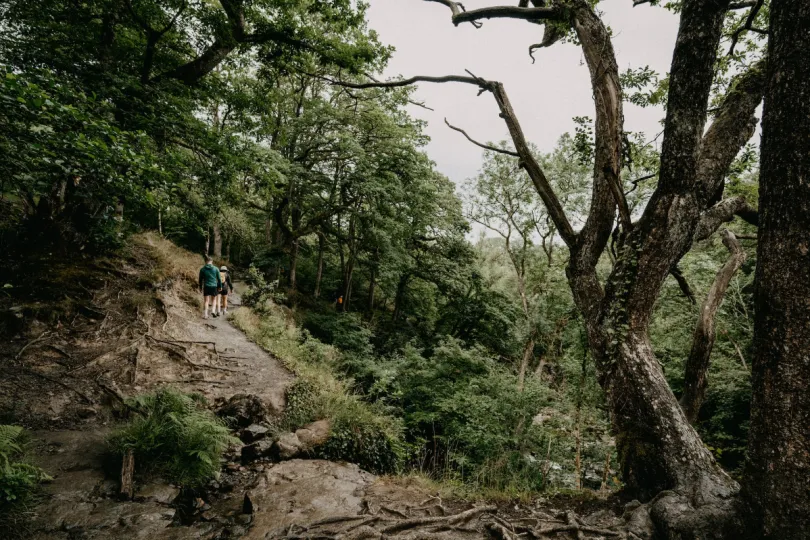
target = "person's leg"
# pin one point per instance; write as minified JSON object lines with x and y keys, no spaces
{"x":225,"y":303}
{"x":206,"y":299}
{"x":216,"y":305}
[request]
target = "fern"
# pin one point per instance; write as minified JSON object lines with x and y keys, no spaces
{"x":175,"y":436}
{"x":19,"y":480}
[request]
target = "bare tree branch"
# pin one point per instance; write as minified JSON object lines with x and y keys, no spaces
{"x":720,"y":213}
{"x":683,"y":284}
{"x":508,"y":12}
{"x":482,"y":145}
{"x":742,"y":5}
{"x":697,"y":365}
{"x":752,"y":15}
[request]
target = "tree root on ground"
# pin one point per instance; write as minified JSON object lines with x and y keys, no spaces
{"x":477,"y":522}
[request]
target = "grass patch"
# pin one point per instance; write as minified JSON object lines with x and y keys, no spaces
{"x":171,"y":261}
{"x":362,"y":433}
{"x":174,"y":436}
{"x":19,"y":480}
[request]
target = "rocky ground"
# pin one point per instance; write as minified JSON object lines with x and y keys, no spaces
{"x":65,"y":381}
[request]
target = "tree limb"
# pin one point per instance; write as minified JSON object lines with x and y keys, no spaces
{"x":720,"y":213}
{"x":508,"y":12}
{"x":683,"y":284}
{"x":697,"y":365}
{"x":752,"y":15}
{"x":733,"y":125}
{"x":482,"y":145}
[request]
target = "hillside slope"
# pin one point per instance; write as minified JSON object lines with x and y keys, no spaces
{"x":139,"y":330}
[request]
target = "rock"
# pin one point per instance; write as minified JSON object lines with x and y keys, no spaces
{"x":243,"y":410}
{"x":247,"y":504}
{"x":287,"y":447}
{"x":253,"y":432}
{"x":259,"y":449}
{"x":159,"y":493}
{"x":86,"y":412}
{"x":314,"y":434}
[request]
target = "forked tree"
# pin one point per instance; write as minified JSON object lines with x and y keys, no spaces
{"x":662,"y":456}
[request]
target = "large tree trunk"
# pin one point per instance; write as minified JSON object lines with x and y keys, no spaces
{"x":777,"y":477}
{"x":697,"y":365}
{"x":217,"y":240}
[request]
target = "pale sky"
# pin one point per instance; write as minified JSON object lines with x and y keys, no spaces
{"x":545,"y":95}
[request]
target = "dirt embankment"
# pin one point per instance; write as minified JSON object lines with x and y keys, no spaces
{"x":133,"y":326}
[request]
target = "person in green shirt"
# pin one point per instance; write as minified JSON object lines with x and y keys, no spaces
{"x":210,"y":285}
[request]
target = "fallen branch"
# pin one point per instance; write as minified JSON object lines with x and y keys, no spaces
{"x":37,"y":339}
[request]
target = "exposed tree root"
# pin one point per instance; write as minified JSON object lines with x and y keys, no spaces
{"x":477,"y":522}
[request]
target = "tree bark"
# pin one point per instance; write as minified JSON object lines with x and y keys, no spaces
{"x":528,"y":352}
{"x":777,"y":476}
{"x":319,"y":276}
{"x":697,"y":365}
{"x":127,"y":472}
{"x":217,"y":240}
{"x":293,"y":264}
{"x":372,"y":285}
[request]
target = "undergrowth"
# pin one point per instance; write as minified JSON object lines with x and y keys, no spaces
{"x":173,"y":435}
{"x":19,"y":480}
{"x":361,"y":432}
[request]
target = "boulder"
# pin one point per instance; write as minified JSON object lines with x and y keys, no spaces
{"x":314,"y":434}
{"x":158,"y":493}
{"x":243,"y":410}
{"x":287,"y":446}
{"x":259,"y":449}
{"x":252,"y":433}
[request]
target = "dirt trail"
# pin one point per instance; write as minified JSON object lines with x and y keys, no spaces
{"x":245,"y":368}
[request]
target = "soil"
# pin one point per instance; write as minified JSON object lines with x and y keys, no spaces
{"x":64,"y":380}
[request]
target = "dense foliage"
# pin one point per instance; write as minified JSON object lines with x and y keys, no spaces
{"x":219,"y":125}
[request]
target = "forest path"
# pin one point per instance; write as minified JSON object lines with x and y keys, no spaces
{"x":242,"y":367}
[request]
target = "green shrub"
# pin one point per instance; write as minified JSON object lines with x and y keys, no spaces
{"x":19,"y":480}
{"x":363,"y":433}
{"x":173,"y":435}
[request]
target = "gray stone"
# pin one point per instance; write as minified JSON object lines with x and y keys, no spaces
{"x":159,"y":493}
{"x":252,"y":433}
{"x":257,"y":450}
{"x":243,"y":410}
{"x":287,"y":446}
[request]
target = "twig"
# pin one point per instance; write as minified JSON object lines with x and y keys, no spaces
{"x":42,"y":336}
{"x":482,"y":145}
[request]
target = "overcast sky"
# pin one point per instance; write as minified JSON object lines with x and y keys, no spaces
{"x":545,"y":95}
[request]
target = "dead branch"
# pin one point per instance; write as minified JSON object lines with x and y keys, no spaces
{"x":683,"y":284}
{"x":752,"y":15}
{"x":37,"y":339}
{"x":127,"y":471}
{"x":697,"y":364}
{"x":508,"y":12}
{"x":482,"y":145}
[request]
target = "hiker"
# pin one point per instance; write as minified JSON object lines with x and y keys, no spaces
{"x":226,"y":284}
{"x":210,"y":285}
